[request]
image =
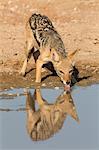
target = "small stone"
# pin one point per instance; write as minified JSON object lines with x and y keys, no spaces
{"x":12,"y":9}
{"x":10,"y":94}
{"x":56,"y":88}
{"x":5,"y":89}
{"x":43,"y":84}
{"x":11,"y":87}
{"x":10,"y":73}
{"x":1,"y":62}
{"x":27,"y":6}
{"x":9,"y":2}
{"x":18,"y":94}
{"x":75,"y":9}
{"x":88,"y":66}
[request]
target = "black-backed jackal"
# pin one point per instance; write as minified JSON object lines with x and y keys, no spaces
{"x":41,"y":35}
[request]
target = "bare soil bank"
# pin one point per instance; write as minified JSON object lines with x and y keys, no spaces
{"x":76,"y":21}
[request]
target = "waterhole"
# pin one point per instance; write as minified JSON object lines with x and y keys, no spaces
{"x":79,"y":128}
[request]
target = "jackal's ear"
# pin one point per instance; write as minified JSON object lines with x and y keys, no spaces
{"x":32,"y":23}
{"x":71,"y":54}
{"x":73,"y":63}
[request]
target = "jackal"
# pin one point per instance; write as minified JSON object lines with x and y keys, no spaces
{"x":41,"y":35}
{"x":48,"y":119}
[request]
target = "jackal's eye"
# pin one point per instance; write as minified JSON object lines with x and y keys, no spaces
{"x":61,"y":72}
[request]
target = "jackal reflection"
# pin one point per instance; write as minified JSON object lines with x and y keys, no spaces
{"x":44,"y":122}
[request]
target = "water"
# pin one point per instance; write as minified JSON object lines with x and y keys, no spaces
{"x":72,"y":135}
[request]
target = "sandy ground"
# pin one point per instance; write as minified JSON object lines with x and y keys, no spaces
{"x":77,"y":21}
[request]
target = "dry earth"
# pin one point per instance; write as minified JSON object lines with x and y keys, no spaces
{"x":77,"y":21}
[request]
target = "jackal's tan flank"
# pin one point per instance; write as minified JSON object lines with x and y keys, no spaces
{"x":41,"y":35}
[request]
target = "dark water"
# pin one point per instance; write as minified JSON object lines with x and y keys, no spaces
{"x":72,"y":135}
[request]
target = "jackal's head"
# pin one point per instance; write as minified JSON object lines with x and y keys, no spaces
{"x":64,"y":68}
{"x":38,"y":21}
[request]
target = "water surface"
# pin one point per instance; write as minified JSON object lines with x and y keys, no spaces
{"x":73,"y":135}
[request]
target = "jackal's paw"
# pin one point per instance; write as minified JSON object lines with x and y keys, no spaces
{"x":37,"y":81}
{"x":22,"y":73}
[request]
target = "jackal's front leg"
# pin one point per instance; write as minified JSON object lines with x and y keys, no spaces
{"x":28,"y":53}
{"x":43,"y":59}
{"x":39,"y":65}
{"x":39,"y":97}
